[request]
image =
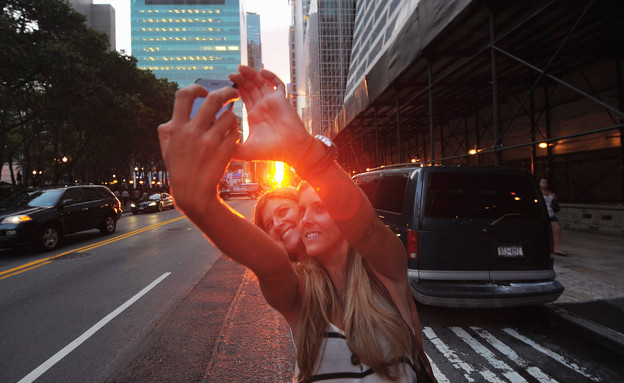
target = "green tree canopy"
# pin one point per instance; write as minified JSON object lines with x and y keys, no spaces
{"x":63,"y":93}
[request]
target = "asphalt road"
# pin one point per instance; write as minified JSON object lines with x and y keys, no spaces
{"x":77,"y":317}
{"x":206,"y":321}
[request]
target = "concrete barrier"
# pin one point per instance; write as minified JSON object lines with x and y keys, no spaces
{"x":607,"y":219}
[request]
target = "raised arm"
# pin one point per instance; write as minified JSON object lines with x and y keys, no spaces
{"x":196,"y":152}
{"x":277,"y":133}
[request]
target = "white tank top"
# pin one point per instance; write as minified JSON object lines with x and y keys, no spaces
{"x":337,"y":364}
{"x":549,"y":200}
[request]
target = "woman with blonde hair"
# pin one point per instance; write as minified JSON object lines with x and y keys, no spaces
{"x":348,"y":304}
{"x":277,"y":213}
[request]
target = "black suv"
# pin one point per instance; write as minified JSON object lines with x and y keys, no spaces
{"x":43,"y":216}
{"x":475,"y":237}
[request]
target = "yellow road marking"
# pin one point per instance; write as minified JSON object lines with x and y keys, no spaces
{"x":45,"y":261}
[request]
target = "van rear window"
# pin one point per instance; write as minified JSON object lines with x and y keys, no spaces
{"x":478,"y":195}
{"x":391,"y":192}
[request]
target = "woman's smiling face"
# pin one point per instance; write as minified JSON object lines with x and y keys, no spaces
{"x":279,"y":218}
{"x":319,"y":233}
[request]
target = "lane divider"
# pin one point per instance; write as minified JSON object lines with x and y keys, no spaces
{"x":37,"y":372}
{"x":35,"y":264}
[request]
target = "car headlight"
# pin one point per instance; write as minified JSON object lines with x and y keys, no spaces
{"x":132,"y":205}
{"x":152,"y":204}
{"x":16,"y":219}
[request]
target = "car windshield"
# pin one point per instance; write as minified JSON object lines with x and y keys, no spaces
{"x":154,"y":197}
{"x":32,"y":198}
{"x":478,"y":195}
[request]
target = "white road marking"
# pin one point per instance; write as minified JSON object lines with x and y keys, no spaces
{"x":551,"y":354}
{"x":534,"y":371}
{"x":437,"y":373}
{"x":448,"y":353}
{"x":37,"y":372}
{"x":500,"y":365}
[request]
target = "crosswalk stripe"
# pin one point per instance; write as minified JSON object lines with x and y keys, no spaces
{"x":448,"y":353}
{"x":551,"y":354}
{"x":441,"y":378}
{"x":498,"y":364}
{"x":535,"y":372}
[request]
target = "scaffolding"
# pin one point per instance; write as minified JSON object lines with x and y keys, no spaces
{"x":533,"y":85}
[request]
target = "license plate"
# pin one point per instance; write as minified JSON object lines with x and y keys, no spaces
{"x":510,"y":251}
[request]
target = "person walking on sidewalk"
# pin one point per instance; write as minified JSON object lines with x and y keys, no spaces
{"x":348,"y":303}
{"x":553,"y":208}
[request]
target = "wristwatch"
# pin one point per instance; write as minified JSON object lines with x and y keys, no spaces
{"x":330,"y":147}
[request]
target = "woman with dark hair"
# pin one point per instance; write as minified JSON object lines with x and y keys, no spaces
{"x":553,"y":208}
{"x":348,"y":303}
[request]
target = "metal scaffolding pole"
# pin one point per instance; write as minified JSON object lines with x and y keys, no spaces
{"x":495,"y":100}
{"x":398,"y":127}
{"x":549,"y":170}
{"x":431,"y":126}
{"x":620,"y":93}
{"x":533,"y":131}
{"x":376,"y":140}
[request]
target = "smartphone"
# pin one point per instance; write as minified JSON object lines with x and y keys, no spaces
{"x":212,"y":85}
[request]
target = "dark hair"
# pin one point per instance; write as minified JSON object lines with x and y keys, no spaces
{"x":283,"y":192}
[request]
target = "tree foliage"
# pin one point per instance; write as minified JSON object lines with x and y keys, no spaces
{"x":63,"y":93}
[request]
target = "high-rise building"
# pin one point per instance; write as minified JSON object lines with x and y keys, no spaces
{"x":254,"y":41}
{"x":300,"y":11}
{"x":182,"y":40}
{"x":322,"y":55}
{"x":100,"y":17}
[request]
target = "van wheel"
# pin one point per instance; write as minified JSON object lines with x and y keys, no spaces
{"x":49,"y":238}
{"x":108,"y":226}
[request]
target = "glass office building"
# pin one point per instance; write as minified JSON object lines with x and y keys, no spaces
{"x":182,"y":40}
{"x":324,"y":62}
{"x":254,"y":41}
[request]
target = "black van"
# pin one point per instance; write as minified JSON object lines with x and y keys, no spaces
{"x":475,"y":237}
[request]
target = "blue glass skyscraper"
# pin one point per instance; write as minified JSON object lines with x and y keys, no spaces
{"x":182,"y":40}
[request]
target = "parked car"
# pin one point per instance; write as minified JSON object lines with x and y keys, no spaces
{"x":43,"y":216}
{"x":250,"y":190}
{"x":153,"y":203}
{"x":475,"y":237}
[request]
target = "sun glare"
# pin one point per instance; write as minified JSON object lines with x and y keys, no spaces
{"x":279,"y":172}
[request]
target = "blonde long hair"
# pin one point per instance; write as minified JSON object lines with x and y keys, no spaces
{"x":369,"y":327}
{"x":283,"y":192}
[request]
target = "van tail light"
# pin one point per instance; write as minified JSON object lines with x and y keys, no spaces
{"x":412,"y":244}
{"x":552,"y":245}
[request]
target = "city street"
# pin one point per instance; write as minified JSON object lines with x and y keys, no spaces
{"x":156,"y":302}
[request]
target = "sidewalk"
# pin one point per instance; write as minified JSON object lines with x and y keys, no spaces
{"x":592,"y":304}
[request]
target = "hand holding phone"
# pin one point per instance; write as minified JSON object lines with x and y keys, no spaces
{"x":212,"y":85}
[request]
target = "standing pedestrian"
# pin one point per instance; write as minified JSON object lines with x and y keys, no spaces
{"x":125,"y":196}
{"x":553,"y":208}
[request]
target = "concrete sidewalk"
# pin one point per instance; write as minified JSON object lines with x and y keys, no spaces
{"x":592,"y":304}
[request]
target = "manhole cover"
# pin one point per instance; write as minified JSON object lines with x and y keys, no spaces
{"x":73,"y":255}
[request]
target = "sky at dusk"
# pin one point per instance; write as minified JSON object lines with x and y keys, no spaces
{"x":274,"y":23}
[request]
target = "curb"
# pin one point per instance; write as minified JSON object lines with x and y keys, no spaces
{"x":590,"y":330}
